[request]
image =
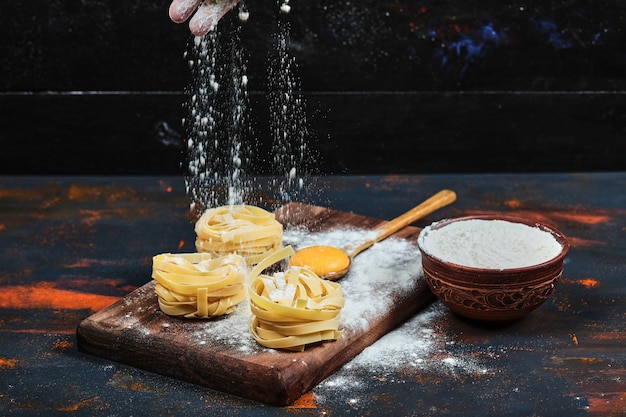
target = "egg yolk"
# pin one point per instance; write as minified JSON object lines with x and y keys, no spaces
{"x":323,"y":260}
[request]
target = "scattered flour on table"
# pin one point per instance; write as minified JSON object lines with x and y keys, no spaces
{"x":420,"y":348}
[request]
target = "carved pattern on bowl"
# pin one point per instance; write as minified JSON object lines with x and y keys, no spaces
{"x":518,"y":299}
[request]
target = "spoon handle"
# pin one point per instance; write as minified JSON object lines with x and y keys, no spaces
{"x":437,"y":201}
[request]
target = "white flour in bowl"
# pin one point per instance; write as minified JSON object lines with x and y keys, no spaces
{"x":490,"y":244}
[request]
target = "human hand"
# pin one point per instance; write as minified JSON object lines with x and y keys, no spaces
{"x":207,"y":13}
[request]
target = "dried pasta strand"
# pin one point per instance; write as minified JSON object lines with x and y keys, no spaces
{"x":246,"y":230}
{"x":196,"y":285}
{"x":301,"y":328}
{"x":294,"y":308}
{"x":275,"y":340}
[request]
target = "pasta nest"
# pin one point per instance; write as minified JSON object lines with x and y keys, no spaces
{"x":197,"y":285}
{"x":294,"y":308}
{"x":249,"y":231}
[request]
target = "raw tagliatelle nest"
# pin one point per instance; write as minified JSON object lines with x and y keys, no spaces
{"x":294,"y":308}
{"x":197,"y":285}
{"x":246,"y":230}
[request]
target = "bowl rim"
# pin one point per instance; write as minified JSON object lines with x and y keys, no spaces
{"x":556,"y":233}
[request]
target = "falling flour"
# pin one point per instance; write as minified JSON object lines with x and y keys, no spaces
{"x":217,"y":123}
{"x":221,"y":147}
{"x":491,"y":244}
{"x":292,"y":159}
{"x":285,"y":7}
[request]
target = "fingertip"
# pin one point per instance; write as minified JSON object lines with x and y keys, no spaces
{"x":181,"y":10}
{"x":199,"y":27}
{"x":205,"y":19}
{"x":208,"y":15}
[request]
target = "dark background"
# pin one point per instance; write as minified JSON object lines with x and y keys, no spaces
{"x":98,"y":87}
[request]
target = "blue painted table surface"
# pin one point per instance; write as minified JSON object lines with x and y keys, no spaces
{"x":73,"y":245}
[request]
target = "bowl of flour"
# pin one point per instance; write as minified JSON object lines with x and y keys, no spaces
{"x":492,"y":268}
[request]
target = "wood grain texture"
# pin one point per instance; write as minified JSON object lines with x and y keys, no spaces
{"x":135,"y":332}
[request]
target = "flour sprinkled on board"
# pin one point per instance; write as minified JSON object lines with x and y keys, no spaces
{"x":370,"y":279}
{"x":231,"y":331}
{"x":339,"y":237}
{"x":390,"y":266}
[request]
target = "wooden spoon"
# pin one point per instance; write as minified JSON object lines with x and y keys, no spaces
{"x":333,"y":263}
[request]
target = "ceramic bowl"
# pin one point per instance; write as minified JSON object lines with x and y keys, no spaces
{"x":494,"y":294}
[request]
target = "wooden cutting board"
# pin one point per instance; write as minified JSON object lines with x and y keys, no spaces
{"x":135,"y":332}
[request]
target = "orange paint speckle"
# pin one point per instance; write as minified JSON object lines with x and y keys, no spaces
{"x":135,"y":386}
{"x":6,"y":363}
{"x":62,"y":345}
{"x":181,"y":244}
{"x":87,"y":263}
{"x":611,"y":337}
{"x":513,"y":204}
{"x":584,"y":361}
{"x":45,"y":295}
{"x":589,"y":282}
{"x":124,"y":381}
{"x":586,"y":218}
{"x":91,"y":217}
{"x":549,"y":217}
{"x":306,"y":401}
{"x":82,"y":192}
{"x":607,"y":403}
{"x":574,"y":339}
{"x":79,"y":405}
